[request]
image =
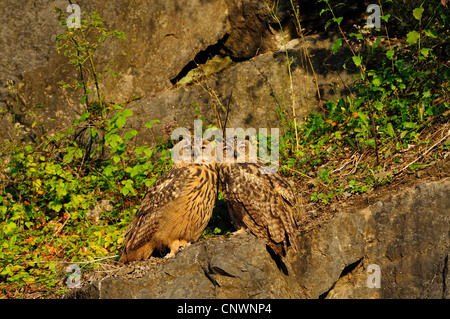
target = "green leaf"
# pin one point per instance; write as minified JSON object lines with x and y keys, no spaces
{"x":363,"y":117}
{"x":116,"y":158}
{"x":338,"y":20}
{"x":357,"y":60}
{"x":377,"y":80}
{"x":356,"y":35}
{"x":323,"y":11}
{"x":93,"y":132}
{"x":336,"y":45}
{"x":409,"y":125}
{"x":417,"y":13}
{"x":378,"y":105}
{"x":412,"y":37}
{"x":127,"y":113}
{"x":130,"y":134}
{"x":431,"y":33}
{"x":390,"y":54}
{"x":390,"y":130}
{"x":148,"y":152}
{"x":7,"y":271}
{"x":425,"y":52}
{"x":9,"y":228}
{"x":150,"y":123}
{"x":107,"y":171}
{"x":68,"y":157}
{"x":55,"y":205}
{"x":386,"y":17}
{"x":370,"y":142}
{"x":120,"y":122}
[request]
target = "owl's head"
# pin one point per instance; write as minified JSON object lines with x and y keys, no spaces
{"x":239,"y":150}
{"x":191,"y":151}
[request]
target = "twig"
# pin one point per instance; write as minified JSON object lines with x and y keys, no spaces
{"x":344,"y":165}
{"x":60,"y":228}
{"x":356,"y":165}
{"x":228,"y":111}
{"x":69,"y":262}
{"x":298,"y":172}
{"x":424,"y":153}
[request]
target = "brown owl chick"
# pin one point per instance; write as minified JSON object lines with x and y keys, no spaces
{"x":176,"y":208}
{"x":263,"y":203}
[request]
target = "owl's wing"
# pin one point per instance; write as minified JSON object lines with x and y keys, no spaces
{"x":283,"y":188}
{"x":251,"y":189}
{"x":264,"y":202}
{"x":166,"y":189}
{"x":286,"y":206}
{"x":177,"y":206}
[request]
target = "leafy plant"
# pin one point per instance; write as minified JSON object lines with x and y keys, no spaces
{"x":51,"y":187}
{"x":80,"y":45}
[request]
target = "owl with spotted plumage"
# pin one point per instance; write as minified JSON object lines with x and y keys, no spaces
{"x":177,"y":206}
{"x":262,"y":202}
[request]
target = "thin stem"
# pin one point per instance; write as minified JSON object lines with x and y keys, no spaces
{"x":300,"y":33}
{"x":289,"y":62}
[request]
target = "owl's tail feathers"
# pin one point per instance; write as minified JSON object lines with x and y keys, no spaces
{"x":135,"y":246}
{"x":140,"y":253}
{"x":293,"y":242}
{"x":277,"y":248}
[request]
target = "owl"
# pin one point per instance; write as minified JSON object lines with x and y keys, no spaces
{"x":177,"y":206}
{"x":263,"y":203}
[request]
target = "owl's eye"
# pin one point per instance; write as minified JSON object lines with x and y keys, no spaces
{"x":187,"y":148}
{"x":227,"y":149}
{"x":242,"y":147}
{"x":203,"y":147}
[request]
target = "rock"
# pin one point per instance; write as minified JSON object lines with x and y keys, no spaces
{"x":255,"y":93}
{"x":162,"y":37}
{"x":405,"y":236}
{"x":165,"y":40}
{"x":250,"y":27}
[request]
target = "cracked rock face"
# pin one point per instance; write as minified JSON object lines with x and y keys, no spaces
{"x":164,"y":40}
{"x":405,"y":237}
